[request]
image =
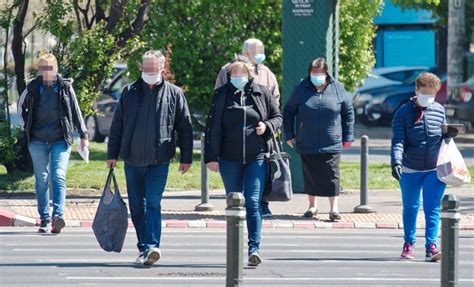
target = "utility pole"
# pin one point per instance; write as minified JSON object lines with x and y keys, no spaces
{"x":456,"y":20}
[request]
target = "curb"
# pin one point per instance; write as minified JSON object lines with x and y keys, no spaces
{"x":9,"y":219}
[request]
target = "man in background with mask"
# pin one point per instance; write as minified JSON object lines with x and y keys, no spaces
{"x":416,"y":141}
{"x":253,"y":53}
{"x":48,"y":112}
{"x":149,"y":114}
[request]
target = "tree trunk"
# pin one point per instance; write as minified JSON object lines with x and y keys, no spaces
{"x":17,"y":46}
{"x":455,"y":45}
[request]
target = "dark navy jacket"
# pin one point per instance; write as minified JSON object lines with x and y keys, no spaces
{"x":416,"y":145}
{"x":322,"y":122}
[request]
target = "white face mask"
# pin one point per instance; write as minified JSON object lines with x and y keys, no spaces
{"x":425,"y":100}
{"x":151,"y":79}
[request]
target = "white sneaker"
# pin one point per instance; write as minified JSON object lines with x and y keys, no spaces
{"x":141,"y":258}
{"x":152,"y":256}
{"x":254,"y":259}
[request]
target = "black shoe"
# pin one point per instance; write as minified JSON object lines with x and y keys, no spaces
{"x":310,"y":213}
{"x":333,"y":216}
{"x":266,"y":213}
{"x":45,"y":226}
{"x":58,"y":224}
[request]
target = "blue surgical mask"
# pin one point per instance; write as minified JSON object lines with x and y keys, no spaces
{"x":259,"y":58}
{"x":318,"y":80}
{"x":239,"y":82}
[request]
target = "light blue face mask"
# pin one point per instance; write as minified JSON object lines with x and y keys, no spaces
{"x":259,"y":58}
{"x":239,"y":82}
{"x":318,"y":80}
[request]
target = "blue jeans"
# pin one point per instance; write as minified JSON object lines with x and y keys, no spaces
{"x":411,"y":185}
{"x":145,"y":187}
{"x":42,"y":154}
{"x":248,"y":178}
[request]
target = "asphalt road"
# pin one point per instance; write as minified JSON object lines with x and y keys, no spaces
{"x":196,"y":257}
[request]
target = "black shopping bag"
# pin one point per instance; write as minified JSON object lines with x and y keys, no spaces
{"x":278,"y":187}
{"x":111,"y":218}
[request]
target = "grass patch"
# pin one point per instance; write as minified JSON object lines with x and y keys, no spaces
{"x":93,"y":175}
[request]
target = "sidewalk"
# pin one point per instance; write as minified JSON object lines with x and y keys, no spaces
{"x":178,"y":211}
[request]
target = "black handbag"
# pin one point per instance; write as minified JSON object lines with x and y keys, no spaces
{"x":278,"y":186}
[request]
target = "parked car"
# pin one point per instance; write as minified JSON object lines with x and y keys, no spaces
{"x":98,"y":125}
{"x":460,"y":106}
{"x":389,"y":76}
{"x":377,"y":106}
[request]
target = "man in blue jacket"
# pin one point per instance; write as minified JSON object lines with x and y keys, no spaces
{"x":149,"y":114}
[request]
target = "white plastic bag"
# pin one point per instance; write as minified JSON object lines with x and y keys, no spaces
{"x":450,"y":167}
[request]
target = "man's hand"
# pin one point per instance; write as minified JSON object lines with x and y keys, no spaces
{"x":346,"y":145}
{"x":84,"y":143}
{"x":213,"y":165}
{"x":184,"y":167}
{"x":260,"y":129}
{"x":397,"y":172}
{"x":291,"y":142}
{"x":111,"y":163}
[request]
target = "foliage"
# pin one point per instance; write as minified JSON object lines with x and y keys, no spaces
{"x":356,"y":33}
{"x":205,"y":35}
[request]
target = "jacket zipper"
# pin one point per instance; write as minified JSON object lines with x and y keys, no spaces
{"x":242,"y":103}
{"x":426,"y":138}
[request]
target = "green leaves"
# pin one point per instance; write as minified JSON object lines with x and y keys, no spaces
{"x":357,"y":31}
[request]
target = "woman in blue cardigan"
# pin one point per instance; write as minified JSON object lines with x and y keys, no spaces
{"x":318,"y":121}
{"x":416,"y":141}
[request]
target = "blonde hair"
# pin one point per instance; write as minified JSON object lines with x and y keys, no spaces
{"x":238,"y":65}
{"x":429,"y":80}
{"x":250,"y":43}
{"x":48,"y":57}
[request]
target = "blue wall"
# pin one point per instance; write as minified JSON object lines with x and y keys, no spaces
{"x":405,"y":38}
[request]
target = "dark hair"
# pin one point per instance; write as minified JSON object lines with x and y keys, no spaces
{"x":318,"y":63}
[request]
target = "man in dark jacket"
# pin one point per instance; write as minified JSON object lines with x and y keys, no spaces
{"x":149,"y":113}
{"x":48,"y":111}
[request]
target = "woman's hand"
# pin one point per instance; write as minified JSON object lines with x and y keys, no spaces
{"x":213,"y":165}
{"x":346,"y":145}
{"x":291,"y":142}
{"x":260,"y":129}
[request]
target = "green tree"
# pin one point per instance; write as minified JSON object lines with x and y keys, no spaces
{"x":207,"y":34}
{"x":356,"y":34}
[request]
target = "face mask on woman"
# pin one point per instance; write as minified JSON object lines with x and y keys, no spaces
{"x":318,"y":79}
{"x":425,"y":100}
{"x":239,"y":82}
{"x":259,"y":58}
{"x":151,"y":79}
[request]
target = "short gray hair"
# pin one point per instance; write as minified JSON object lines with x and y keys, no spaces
{"x":249,"y":43}
{"x":155,"y":54}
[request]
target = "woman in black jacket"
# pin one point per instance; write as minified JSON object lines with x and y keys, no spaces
{"x":324,"y":126}
{"x":239,"y":129}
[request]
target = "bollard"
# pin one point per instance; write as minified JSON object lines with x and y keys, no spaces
{"x":235,"y":215}
{"x":364,"y":206}
{"x":449,"y":240}
{"x":204,"y":205}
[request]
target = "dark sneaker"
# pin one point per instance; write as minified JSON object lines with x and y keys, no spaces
{"x":141,"y":258}
{"x":408,"y":251}
{"x":310,"y":213}
{"x":152,"y":256}
{"x":333,"y":216}
{"x":45,"y":226}
{"x":254,"y":259}
{"x":432,"y":253}
{"x":266,"y":213}
{"x":58,"y":224}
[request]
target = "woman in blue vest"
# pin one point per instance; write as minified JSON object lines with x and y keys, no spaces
{"x":318,"y":121}
{"x":416,"y":141}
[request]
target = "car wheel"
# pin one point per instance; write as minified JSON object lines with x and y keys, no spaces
{"x":93,"y":130}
